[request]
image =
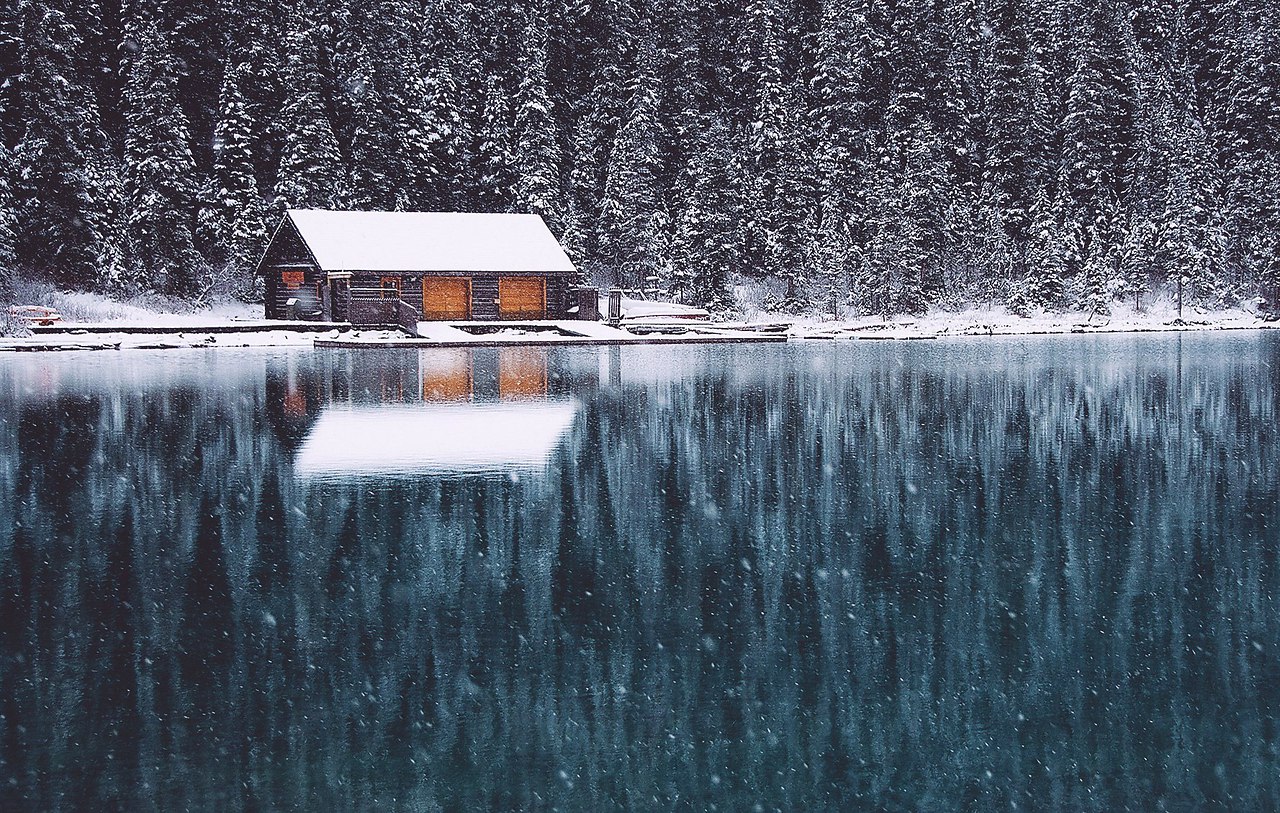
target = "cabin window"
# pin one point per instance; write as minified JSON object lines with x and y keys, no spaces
{"x":390,"y":287}
{"x":292,"y":280}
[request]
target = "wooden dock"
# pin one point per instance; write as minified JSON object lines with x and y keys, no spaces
{"x":247,"y":326}
{"x":107,"y":336}
{"x":555,"y":333}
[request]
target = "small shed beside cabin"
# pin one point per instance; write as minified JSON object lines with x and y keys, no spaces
{"x":451,"y":266}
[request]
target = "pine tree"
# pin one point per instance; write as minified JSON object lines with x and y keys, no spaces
{"x":1191,"y":235}
{"x":1041,"y":152}
{"x":495,"y":169}
{"x":835,"y":226}
{"x":1095,"y":124}
{"x":1144,"y":196}
{"x":451,"y":52}
{"x":778,"y":198}
{"x":586,"y":187}
{"x":376,"y":179}
{"x":1243,"y":121}
{"x":602,"y":82}
{"x":10,"y":66}
{"x":1136,"y":267}
{"x":1101,"y":280}
{"x":707,"y":244}
{"x":60,"y":206}
{"x":537,"y":187}
{"x":984,"y":126}
{"x":311,"y":173}
{"x":685,"y":75}
{"x":160,"y":182}
{"x":378,"y":59}
{"x":908,"y":192}
{"x":832,"y":253}
{"x":232,"y":223}
{"x":416,"y":100}
{"x":980,"y":149}
{"x":628,"y":232}
{"x":8,"y":222}
{"x":573,"y":239}
{"x":427,"y":133}
{"x":1005,"y":140}
{"x":1047,"y":259}
{"x":106,"y":176}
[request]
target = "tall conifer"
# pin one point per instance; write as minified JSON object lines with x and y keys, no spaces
{"x":537,"y":186}
{"x":160,"y":182}
{"x":232,"y":221}
{"x":62,"y":194}
{"x":311,"y":171}
{"x":629,"y":231}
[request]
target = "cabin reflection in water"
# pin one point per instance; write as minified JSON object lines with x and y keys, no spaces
{"x":504,"y":374}
{"x":464,"y":411}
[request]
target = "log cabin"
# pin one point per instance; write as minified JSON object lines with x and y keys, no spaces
{"x":454,"y":266}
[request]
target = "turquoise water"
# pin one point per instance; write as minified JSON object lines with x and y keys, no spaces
{"x":985,"y":574}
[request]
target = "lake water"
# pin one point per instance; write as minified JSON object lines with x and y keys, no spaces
{"x":985,"y":574}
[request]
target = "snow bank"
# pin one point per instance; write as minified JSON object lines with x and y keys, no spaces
{"x":128,"y":317}
{"x":999,"y":322}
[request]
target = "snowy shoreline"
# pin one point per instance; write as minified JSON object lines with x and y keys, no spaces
{"x":131,"y":328}
{"x":997,"y":322}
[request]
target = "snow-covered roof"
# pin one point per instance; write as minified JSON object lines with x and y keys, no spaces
{"x":404,"y":440}
{"x":430,"y":241}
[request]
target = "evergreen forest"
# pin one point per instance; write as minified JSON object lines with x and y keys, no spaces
{"x":830,"y":156}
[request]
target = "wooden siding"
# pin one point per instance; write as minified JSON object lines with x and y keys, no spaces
{"x":559,"y":296}
{"x":484,"y":297}
{"x":286,"y":254}
{"x":287,"y":257}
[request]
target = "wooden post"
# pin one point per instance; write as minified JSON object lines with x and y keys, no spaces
{"x":615,"y":305}
{"x":588,"y":303}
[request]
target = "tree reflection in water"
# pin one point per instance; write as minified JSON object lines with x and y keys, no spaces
{"x":980,"y":575}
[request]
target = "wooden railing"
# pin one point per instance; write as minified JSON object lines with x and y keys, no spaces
{"x":382,"y":307}
{"x":407,"y":317}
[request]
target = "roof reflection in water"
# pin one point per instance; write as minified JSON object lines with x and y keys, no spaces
{"x":353,"y":441}
{"x":441,"y":412}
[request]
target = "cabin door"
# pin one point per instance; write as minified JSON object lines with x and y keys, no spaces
{"x":446,"y":298}
{"x":522,"y":298}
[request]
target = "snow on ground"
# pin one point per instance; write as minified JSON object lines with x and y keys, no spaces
{"x":999,"y":322}
{"x":85,"y":309}
{"x":95,"y":308}
{"x":83,"y":306}
{"x":126,"y":340}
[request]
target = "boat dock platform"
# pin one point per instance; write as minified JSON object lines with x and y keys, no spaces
{"x":507,"y":334}
{"x":263,"y":333}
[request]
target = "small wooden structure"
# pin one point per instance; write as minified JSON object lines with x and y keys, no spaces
{"x":395,"y":268}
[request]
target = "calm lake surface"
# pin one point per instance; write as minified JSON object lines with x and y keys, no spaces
{"x":989,"y":574}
